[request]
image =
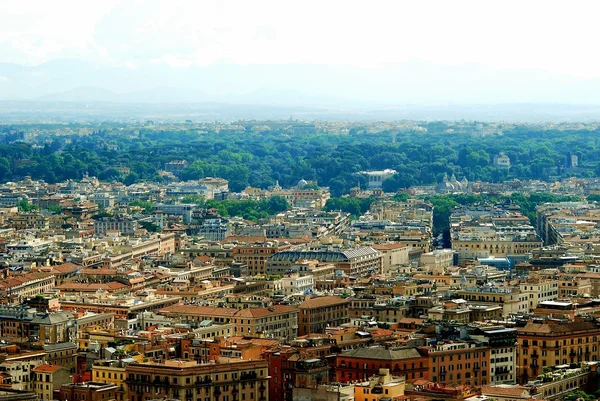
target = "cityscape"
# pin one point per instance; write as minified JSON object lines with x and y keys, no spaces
{"x":114,"y":291}
{"x":224,"y":200}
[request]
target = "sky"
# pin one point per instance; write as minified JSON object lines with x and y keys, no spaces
{"x":554,"y":36}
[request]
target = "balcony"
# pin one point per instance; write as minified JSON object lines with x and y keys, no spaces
{"x":248,"y":376}
{"x":377,"y":390}
{"x":535,"y":355}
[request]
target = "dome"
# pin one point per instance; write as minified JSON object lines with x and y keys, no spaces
{"x":302,"y":183}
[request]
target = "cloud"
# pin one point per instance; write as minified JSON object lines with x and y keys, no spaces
{"x":545,"y":34}
{"x":4,"y":78}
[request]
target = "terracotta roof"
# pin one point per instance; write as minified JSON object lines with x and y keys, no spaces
{"x":46,"y":368}
{"x":558,"y":327}
{"x":18,"y":280}
{"x":390,"y":246}
{"x":261,"y":239}
{"x":381,"y":353}
{"x":320,"y":302}
{"x":66,"y":268}
{"x":505,"y":391}
{"x":90,"y":287}
{"x":256,"y":341}
{"x":410,"y":320}
{"x":196,"y":310}
{"x":262,"y":312}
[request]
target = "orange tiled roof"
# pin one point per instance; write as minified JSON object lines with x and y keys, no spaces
{"x":46,"y":368}
{"x":319,"y":302}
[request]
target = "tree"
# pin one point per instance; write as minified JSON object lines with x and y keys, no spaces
{"x":277,"y":204}
{"x":150,"y":227}
{"x":578,"y":395}
{"x":146,"y":206}
{"x":24,"y":206}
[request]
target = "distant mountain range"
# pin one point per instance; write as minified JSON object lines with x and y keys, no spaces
{"x":407,"y":83}
{"x":409,"y":90}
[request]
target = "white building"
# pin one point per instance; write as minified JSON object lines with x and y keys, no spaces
{"x":502,"y":161}
{"x":438,"y":258}
{"x":295,"y":284}
{"x":376,"y":178}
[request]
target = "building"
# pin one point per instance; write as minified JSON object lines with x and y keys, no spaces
{"x":393,"y":255}
{"x":123,"y":224}
{"x":88,"y":391}
{"x":539,"y":290}
{"x":55,"y":327}
{"x":277,"y":321}
{"x":512,"y":300}
{"x":380,"y":387}
{"x":545,"y":343}
{"x":63,"y":354}
{"x":355,"y":262}
{"x":27,"y":285}
{"x":30,"y":221}
{"x":462,"y":362}
{"x":316,"y":314}
{"x":255,"y":255}
{"x":375,"y":179}
{"x":324,"y":392}
{"x":188,"y":380}
{"x":502,"y":161}
{"x":47,"y":379}
{"x":297,"y":284}
{"x":503,"y":352}
{"x":111,"y":372}
{"x":438,"y":258}
{"x":362,"y":363}
{"x":177,"y":209}
{"x":7,"y":394}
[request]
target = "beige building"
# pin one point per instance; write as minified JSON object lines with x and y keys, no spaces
{"x":185,"y":380}
{"x":512,"y":301}
{"x":539,"y":290}
{"x":473,"y":247}
{"x":393,"y":255}
{"x":47,"y":378}
{"x":380,"y":388}
{"x":551,"y":343}
{"x":575,"y":287}
{"x":438,"y":258}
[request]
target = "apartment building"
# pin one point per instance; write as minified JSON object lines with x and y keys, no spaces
{"x":318,"y":313}
{"x":539,"y":290}
{"x":277,"y":321}
{"x":362,"y":363}
{"x":89,"y":391}
{"x":189,"y":380}
{"x":255,"y":255}
{"x":123,"y":224}
{"x":545,"y":343}
{"x":380,"y":387}
{"x":462,"y":362}
{"x":354,"y":262}
{"x":47,"y":378}
{"x":512,"y":300}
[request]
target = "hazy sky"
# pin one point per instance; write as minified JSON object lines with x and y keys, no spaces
{"x":556,"y":36}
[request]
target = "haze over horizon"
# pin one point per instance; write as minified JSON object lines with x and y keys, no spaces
{"x":335,"y":54}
